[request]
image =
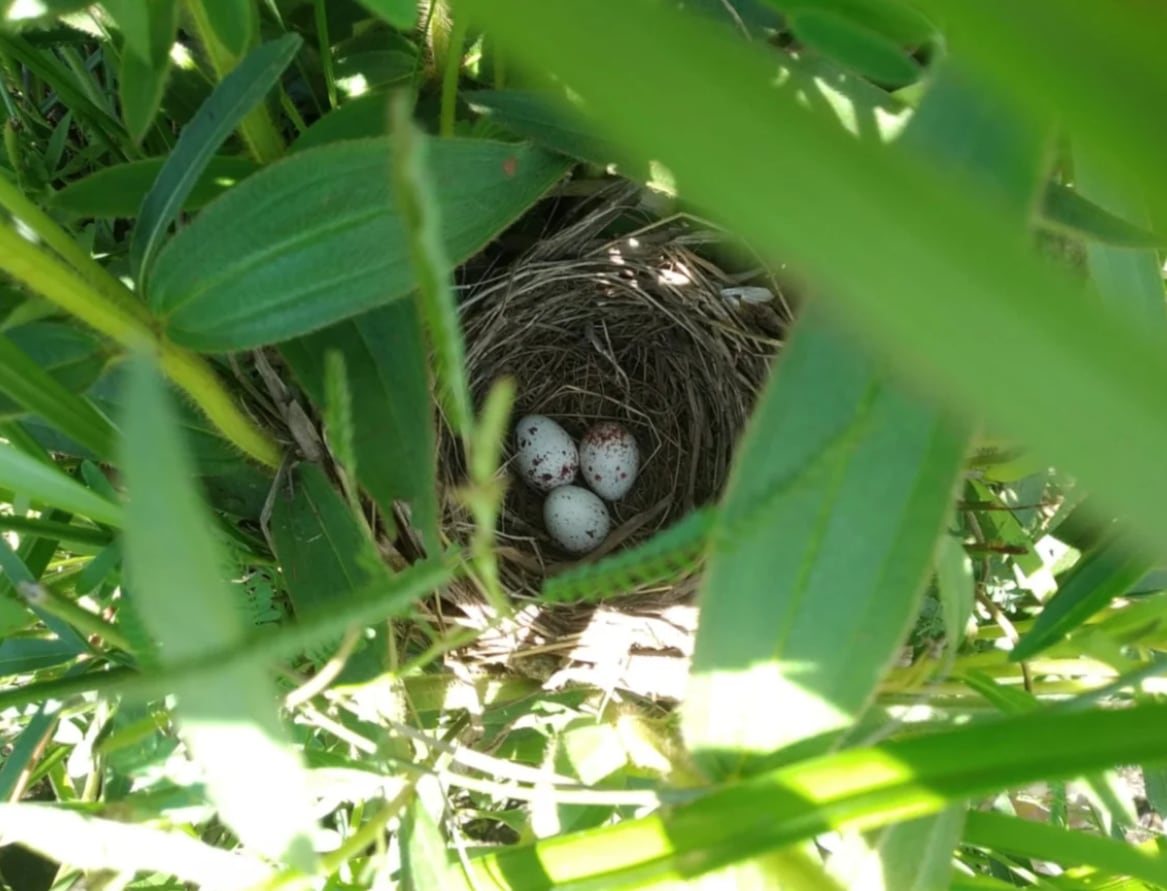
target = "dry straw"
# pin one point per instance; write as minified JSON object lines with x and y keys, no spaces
{"x":636,"y":329}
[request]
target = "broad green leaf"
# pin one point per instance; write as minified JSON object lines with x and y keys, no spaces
{"x":228,"y":716}
{"x":234,"y":96}
{"x":414,"y":188}
{"x":148,"y":27}
{"x":855,"y":46}
{"x":327,"y":559}
{"x":373,"y":70}
{"x":38,"y":392}
{"x":839,"y":469}
{"x":244,"y":274}
{"x":359,"y":118}
{"x":401,"y":14}
{"x":93,"y":843}
{"x":915,"y":855}
{"x":42,"y":482}
{"x":1129,"y":280}
{"x":1097,"y":578}
{"x":895,"y":244}
{"x":140,"y":88}
{"x":1042,"y":841}
{"x":858,"y":789}
{"x":118,"y":191}
{"x":25,"y":656}
{"x":234,"y":23}
{"x":1068,"y":210}
{"x":392,"y":415}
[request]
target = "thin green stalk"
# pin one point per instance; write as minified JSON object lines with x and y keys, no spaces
{"x":41,"y":273}
{"x":453,"y":68}
{"x":68,"y":611}
{"x":259,"y":132}
{"x":17,"y":204}
{"x":326,"y":53}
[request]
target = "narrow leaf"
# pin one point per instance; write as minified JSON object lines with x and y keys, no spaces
{"x":119,"y":191}
{"x":42,"y":482}
{"x":234,"y":23}
{"x":855,"y":46}
{"x":228,"y":717}
{"x":956,"y":588}
{"x":1042,"y":841}
{"x":1104,"y":573}
{"x":860,"y":789}
{"x":244,"y":274}
{"x":234,"y":96}
{"x":838,"y":469}
{"x":38,"y":392}
{"x":30,"y":739}
{"x":425,"y":860}
{"x":393,"y":425}
{"x":1067,"y":209}
{"x":140,"y":88}
{"x":148,"y":27}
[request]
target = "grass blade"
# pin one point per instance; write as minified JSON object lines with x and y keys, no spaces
{"x":233,"y":98}
{"x":1042,"y":841}
{"x":44,"y":483}
{"x":228,"y":716}
{"x":35,"y":390}
{"x":838,"y":469}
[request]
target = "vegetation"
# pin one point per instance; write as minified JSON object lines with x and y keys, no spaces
{"x":258,"y":599}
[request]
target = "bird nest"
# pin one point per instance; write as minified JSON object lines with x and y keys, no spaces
{"x":643,"y":330}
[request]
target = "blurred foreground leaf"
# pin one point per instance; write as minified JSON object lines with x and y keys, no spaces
{"x":228,"y":717}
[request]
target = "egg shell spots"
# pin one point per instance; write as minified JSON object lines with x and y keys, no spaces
{"x":610,"y":459}
{"x":547,"y":457}
{"x":576,"y":518}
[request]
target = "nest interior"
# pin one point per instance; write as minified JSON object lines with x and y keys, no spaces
{"x":635,"y":330}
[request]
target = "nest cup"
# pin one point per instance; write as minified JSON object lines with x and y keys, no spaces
{"x":636,"y":330}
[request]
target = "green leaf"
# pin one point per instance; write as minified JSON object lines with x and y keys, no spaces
{"x":140,"y":88}
{"x":895,"y":20}
{"x":1067,"y":210}
{"x":955,"y":586}
{"x":234,"y":96}
{"x":414,"y":187}
{"x":838,"y":469}
{"x":243,"y":275}
{"x":119,"y":191}
{"x":362,"y":117}
{"x":859,"y":789}
{"x":855,"y":46}
{"x":393,"y":422}
{"x":234,"y":23}
{"x":38,"y":392}
{"x":917,"y":855}
{"x":228,"y":716}
{"x":30,"y":739}
{"x":360,"y":72}
{"x":44,"y":483}
{"x":425,"y":859}
{"x":148,"y":27}
{"x":1042,"y":841}
{"x":401,"y":14}
{"x":1129,"y":280}
{"x":19,"y":12}
{"x":92,"y":843}
{"x":1103,"y":574}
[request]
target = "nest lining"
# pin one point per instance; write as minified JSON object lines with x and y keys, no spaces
{"x":633,"y":330}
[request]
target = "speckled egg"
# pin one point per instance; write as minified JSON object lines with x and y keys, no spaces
{"x":576,"y":519}
{"x":547,"y":457}
{"x":609,"y":458}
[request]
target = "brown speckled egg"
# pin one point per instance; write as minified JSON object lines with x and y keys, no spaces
{"x":609,"y":460}
{"x":546,"y":455}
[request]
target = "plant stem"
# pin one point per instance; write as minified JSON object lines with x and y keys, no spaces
{"x":45,"y":275}
{"x":453,"y":67}
{"x":326,"y":52}
{"x":17,"y":204}
{"x":264,"y":142}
